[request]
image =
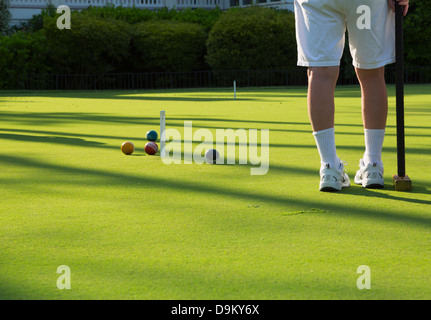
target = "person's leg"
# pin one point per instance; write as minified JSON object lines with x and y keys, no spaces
{"x":374,"y":97}
{"x":320,"y":34}
{"x":320,"y":100}
{"x":374,"y":114}
{"x":374,"y":111}
{"x":321,"y":88}
{"x":372,"y":48}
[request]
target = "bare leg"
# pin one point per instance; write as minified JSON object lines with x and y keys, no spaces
{"x":321,"y":88}
{"x":374,"y":112}
{"x":374,"y":97}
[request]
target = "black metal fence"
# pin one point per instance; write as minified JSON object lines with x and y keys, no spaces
{"x":198,"y":79}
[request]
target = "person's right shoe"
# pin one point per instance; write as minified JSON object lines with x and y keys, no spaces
{"x":333,"y":179}
{"x":370,"y":176}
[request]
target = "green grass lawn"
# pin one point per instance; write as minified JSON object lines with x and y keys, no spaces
{"x":131,"y":227}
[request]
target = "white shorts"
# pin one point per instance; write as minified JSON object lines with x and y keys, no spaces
{"x":321,"y":26}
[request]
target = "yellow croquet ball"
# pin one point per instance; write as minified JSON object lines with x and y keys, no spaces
{"x":127,"y":147}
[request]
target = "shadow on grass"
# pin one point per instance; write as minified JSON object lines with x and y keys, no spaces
{"x":102,"y":275}
{"x":345,"y":91}
{"x":166,"y":95}
{"x":52,"y":139}
{"x":396,"y":196}
{"x":50,"y":118}
{"x":58,"y":138}
{"x":335,"y":207}
{"x":79,"y":135}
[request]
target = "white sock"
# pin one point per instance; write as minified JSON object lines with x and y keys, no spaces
{"x":373,"y":145}
{"x":325,"y":141}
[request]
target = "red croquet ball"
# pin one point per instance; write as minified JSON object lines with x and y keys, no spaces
{"x":151,"y":148}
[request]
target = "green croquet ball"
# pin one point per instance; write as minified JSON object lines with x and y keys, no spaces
{"x":152,"y":135}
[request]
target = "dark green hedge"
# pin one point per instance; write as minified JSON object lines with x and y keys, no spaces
{"x":167,"y":45}
{"x":203,"y":17}
{"x":4,"y":17}
{"x":22,"y":54}
{"x":92,"y":45}
{"x":252,"y":39}
{"x":417,"y":34}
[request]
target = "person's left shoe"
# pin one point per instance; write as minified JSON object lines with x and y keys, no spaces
{"x":370,"y":176}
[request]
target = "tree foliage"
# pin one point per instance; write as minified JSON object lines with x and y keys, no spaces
{"x":22,"y":54}
{"x":92,"y":45}
{"x":252,"y":39}
{"x":417,"y":34}
{"x":133,"y":15}
{"x":168,"y":45}
{"x":4,"y":16}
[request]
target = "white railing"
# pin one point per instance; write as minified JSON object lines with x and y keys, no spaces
{"x":150,"y":4}
{"x":198,"y":3}
{"x":83,"y":3}
{"x":124,"y":3}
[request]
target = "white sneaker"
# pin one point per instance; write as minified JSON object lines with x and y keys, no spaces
{"x":370,"y":175}
{"x":333,"y":179}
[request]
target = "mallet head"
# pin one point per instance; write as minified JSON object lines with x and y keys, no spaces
{"x":402,"y":183}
